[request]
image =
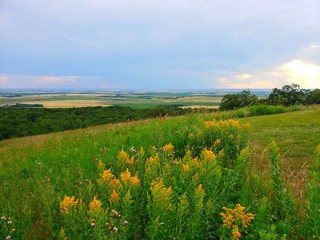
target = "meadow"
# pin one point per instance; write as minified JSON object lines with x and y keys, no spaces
{"x":201,"y":176}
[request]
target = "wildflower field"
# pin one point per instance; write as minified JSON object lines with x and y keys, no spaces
{"x":190,"y":177}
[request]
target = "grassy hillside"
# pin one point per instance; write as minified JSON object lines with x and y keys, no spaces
{"x":296,"y":133}
{"x":38,"y":173}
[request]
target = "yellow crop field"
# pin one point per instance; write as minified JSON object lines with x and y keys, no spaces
{"x":196,"y":99}
{"x":70,"y":103}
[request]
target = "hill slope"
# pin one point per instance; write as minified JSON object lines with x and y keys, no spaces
{"x":43,"y":171}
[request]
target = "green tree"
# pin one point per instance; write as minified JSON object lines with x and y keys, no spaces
{"x":238,"y":100}
{"x":288,"y":95}
{"x":313,"y":97}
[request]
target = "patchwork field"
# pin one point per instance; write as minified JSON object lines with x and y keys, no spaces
{"x":134,"y":99}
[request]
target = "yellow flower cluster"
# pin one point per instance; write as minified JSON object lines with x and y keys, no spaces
{"x":160,"y":202}
{"x":185,"y":168}
{"x":153,"y":160}
{"x":216,"y":142}
{"x":222,"y":123}
{"x":208,"y":155}
{"x":152,"y":165}
{"x":130,"y":161}
{"x":109,"y":178}
{"x":123,"y":156}
{"x":168,"y":148}
{"x":95,"y":206}
{"x":195,"y":162}
{"x":200,"y":190}
{"x":233,"y":218}
{"x":67,"y":204}
{"x":235,"y":233}
{"x":158,"y":189}
{"x":101,"y":166}
{"x":126,"y":178}
{"x":107,"y":175}
{"x":114,"y":198}
{"x":134,"y":180}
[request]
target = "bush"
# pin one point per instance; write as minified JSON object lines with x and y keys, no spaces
{"x":258,"y":110}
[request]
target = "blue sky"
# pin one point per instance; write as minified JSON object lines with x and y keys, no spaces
{"x":159,"y":44}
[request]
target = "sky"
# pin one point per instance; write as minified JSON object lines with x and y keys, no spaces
{"x":159,"y":44}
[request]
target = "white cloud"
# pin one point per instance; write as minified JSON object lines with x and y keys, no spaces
{"x":307,"y":75}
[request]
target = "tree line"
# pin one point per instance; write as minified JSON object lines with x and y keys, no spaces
{"x":288,"y":95}
{"x":19,"y":122}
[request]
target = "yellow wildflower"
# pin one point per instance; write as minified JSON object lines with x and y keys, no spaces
{"x":122,"y":156}
{"x":195,"y":176}
{"x":187,"y":156}
{"x":134,"y":180}
{"x":125,"y":176}
{"x":107,"y":175}
{"x":235,"y":233}
{"x":208,"y":155}
{"x":222,"y":123}
{"x":196,"y":162}
{"x":130,"y":161}
{"x":185,"y":168}
{"x":200,"y":190}
{"x":141,"y":151}
{"x":67,"y":204}
{"x":114,"y":198}
{"x":114,"y":183}
{"x":236,"y":217}
{"x":95,"y":205}
{"x":101,"y":166}
{"x":228,"y":219}
{"x":168,"y":148}
{"x":153,"y":160}
{"x":216,"y":142}
{"x":158,"y":188}
{"x":211,"y":124}
{"x":161,"y":196}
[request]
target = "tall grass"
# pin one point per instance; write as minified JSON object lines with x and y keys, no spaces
{"x":257,"y":110}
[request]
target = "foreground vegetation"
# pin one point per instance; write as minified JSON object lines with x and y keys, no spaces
{"x":181,"y":178}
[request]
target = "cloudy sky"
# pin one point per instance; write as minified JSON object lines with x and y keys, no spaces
{"x":159,"y":44}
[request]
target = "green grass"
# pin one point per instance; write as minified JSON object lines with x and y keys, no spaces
{"x":297,"y":135}
{"x":36,"y":172}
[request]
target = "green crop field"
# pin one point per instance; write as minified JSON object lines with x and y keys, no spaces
{"x":167,"y":178}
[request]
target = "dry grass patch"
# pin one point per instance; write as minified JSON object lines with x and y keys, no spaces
{"x":70,"y":103}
